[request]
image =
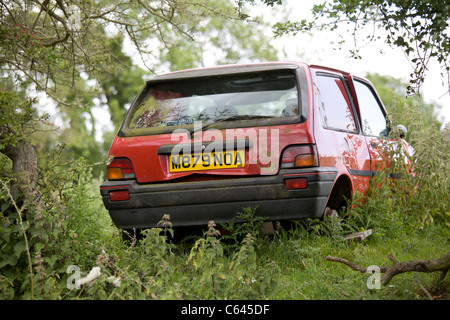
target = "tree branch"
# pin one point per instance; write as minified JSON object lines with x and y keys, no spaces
{"x":351,"y":264}
{"x":441,"y":264}
{"x":58,"y":18}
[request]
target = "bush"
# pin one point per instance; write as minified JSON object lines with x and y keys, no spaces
{"x":393,"y":206}
{"x":38,"y":248}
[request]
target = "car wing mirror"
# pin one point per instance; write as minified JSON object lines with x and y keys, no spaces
{"x":402,"y":131}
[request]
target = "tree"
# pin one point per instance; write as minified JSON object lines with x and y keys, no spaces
{"x":417,"y":27}
{"x":222,"y":41}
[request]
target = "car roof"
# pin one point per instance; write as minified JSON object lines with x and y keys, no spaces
{"x":244,"y":68}
{"x":227,"y":69}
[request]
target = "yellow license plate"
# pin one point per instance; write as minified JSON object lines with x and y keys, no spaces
{"x":207,"y":161}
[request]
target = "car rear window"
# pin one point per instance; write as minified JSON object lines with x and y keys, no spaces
{"x":238,"y":97}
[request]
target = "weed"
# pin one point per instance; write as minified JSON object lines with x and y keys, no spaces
{"x":243,"y":223}
{"x":207,"y":257}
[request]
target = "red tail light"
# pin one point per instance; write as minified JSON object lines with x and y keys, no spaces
{"x":299,"y":156}
{"x":120,"y":169}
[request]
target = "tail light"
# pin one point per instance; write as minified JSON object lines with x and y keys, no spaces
{"x":120,"y":169}
{"x":299,"y":156}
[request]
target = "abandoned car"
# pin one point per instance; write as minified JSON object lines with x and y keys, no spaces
{"x":289,"y":138}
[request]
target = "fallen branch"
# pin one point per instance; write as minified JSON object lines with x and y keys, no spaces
{"x":441,"y":264}
{"x":352,"y":265}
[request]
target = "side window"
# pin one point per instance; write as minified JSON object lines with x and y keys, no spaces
{"x":334,"y":106}
{"x":372,"y":117}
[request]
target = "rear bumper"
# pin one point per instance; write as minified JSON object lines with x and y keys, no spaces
{"x":195,"y":203}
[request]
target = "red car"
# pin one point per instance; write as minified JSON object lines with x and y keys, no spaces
{"x":288,"y":138}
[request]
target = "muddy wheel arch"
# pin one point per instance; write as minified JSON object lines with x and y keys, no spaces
{"x":340,"y":194}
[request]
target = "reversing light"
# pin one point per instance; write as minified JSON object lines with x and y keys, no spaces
{"x":120,"y":169}
{"x":299,"y":156}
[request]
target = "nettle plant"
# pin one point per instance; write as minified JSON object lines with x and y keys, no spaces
{"x":38,"y":247}
{"x":241,"y":277}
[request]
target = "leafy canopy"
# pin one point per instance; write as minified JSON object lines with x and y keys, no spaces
{"x":419,"y":28}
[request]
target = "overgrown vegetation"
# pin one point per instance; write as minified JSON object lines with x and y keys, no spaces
{"x":40,"y":255}
{"x":54,"y":229}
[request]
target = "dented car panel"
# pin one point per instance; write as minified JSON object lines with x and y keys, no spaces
{"x":288,"y":138}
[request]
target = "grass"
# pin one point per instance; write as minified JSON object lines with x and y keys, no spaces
{"x":306,"y":275}
{"x":290,"y":265}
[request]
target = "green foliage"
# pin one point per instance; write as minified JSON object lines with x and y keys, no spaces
{"x":416,"y":199}
{"x":227,"y":40}
{"x":250,"y":279}
{"x":14,"y":241}
{"x":207,"y":257}
{"x":242,"y":277}
{"x":245,"y":222}
{"x":17,"y":115}
{"x":46,"y":244}
{"x":413,"y":112}
{"x":432,"y":164}
{"x":18,"y":40}
{"x":417,"y":27}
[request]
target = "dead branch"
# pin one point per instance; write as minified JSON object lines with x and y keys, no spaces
{"x":430,"y":297}
{"x":351,"y":264}
{"x":441,"y":264}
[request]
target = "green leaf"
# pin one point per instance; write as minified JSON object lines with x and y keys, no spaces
{"x":19,"y":248}
{"x":6,"y":259}
{"x":5,"y":205}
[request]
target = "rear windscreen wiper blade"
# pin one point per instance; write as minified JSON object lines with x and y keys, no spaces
{"x":235,"y":117}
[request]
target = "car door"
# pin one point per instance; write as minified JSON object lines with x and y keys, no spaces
{"x":374,"y":122}
{"x":343,"y":144}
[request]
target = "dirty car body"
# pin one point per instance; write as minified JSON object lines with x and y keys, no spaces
{"x":288,"y":138}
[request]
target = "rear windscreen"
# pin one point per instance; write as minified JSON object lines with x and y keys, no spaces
{"x":239,"y":97}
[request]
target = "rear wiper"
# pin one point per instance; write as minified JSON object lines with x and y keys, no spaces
{"x":236,"y":117}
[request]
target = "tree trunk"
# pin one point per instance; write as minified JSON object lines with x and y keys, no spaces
{"x":25,"y":171}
